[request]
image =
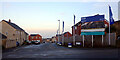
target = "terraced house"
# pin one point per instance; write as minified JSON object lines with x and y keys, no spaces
{"x":13,"y":33}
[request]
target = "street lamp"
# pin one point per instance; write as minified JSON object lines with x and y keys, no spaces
{"x":59,"y":32}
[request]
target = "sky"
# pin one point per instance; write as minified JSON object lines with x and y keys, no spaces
{"x":42,"y":17}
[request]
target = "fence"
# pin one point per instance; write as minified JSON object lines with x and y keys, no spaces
{"x":97,"y":40}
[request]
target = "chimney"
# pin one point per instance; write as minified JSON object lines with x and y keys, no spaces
{"x":96,"y":14}
{"x":9,"y":20}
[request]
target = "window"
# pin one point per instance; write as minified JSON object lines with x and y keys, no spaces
{"x":105,"y":25}
{"x":39,"y":37}
{"x":16,"y":32}
{"x":13,"y":34}
{"x":36,"y":37}
{"x":6,"y":33}
{"x":21,"y":33}
{"x":32,"y":37}
{"x":75,"y":27}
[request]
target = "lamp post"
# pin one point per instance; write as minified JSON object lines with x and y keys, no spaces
{"x":59,"y":32}
{"x":74,"y":31}
{"x":63,"y":34}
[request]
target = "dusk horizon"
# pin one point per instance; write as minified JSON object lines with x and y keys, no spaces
{"x":42,"y":17}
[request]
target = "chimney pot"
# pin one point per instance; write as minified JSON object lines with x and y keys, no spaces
{"x":9,"y":20}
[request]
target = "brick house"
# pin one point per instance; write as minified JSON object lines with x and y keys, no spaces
{"x":77,"y":28}
{"x":53,"y":39}
{"x":13,"y":33}
{"x":67,"y":34}
{"x":117,"y":25}
{"x":34,"y":37}
{"x":57,"y":37}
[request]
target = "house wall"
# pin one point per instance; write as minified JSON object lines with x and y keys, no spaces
{"x":20,"y":36}
{"x":67,"y":34}
{"x":10,"y":43}
{"x":78,"y":30}
{"x":8,"y":31}
{"x":60,"y":40}
{"x":34,"y":38}
{"x":4,"y":42}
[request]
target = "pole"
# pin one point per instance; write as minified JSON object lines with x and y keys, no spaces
{"x":83,"y":40}
{"x":74,"y":32}
{"x":59,"y":32}
{"x":109,"y":32}
{"x":102,"y":39}
{"x":92,"y":40}
{"x":63,"y":39}
{"x":63,"y":34}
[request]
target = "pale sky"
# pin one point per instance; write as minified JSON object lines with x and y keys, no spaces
{"x":42,"y":17}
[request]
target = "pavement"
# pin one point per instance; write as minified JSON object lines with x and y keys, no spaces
{"x":51,"y":50}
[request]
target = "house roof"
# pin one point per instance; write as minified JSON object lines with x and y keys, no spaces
{"x":66,"y":32}
{"x":3,"y":36}
{"x":14,"y":26}
{"x":77,"y":23}
{"x":58,"y":35}
{"x":117,"y":21}
{"x":34,"y":34}
{"x":26,"y":33}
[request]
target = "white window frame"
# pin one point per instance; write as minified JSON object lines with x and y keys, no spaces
{"x":75,"y":27}
{"x":32,"y":37}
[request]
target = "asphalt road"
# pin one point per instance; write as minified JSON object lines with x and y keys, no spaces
{"x":51,"y":50}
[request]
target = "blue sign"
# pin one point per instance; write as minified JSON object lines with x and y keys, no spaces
{"x":92,"y":33}
{"x":92,"y":18}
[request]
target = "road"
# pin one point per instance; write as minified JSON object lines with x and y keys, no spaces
{"x":51,"y":50}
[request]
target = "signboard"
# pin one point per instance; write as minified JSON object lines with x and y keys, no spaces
{"x":92,"y":18}
{"x":93,"y":30}
{"x":93,"y":25}
{"x":92,"y":33}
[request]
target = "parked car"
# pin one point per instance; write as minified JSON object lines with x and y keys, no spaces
{"x":37,"y":42}
{"x":69,"y":44}
{"x":59,"y":43}
{"x":118,"y":37}
{"x":28,"y":42}
{"x":17,"y":43}
{"x":78,"y":43}
{"x":44,"y":42}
